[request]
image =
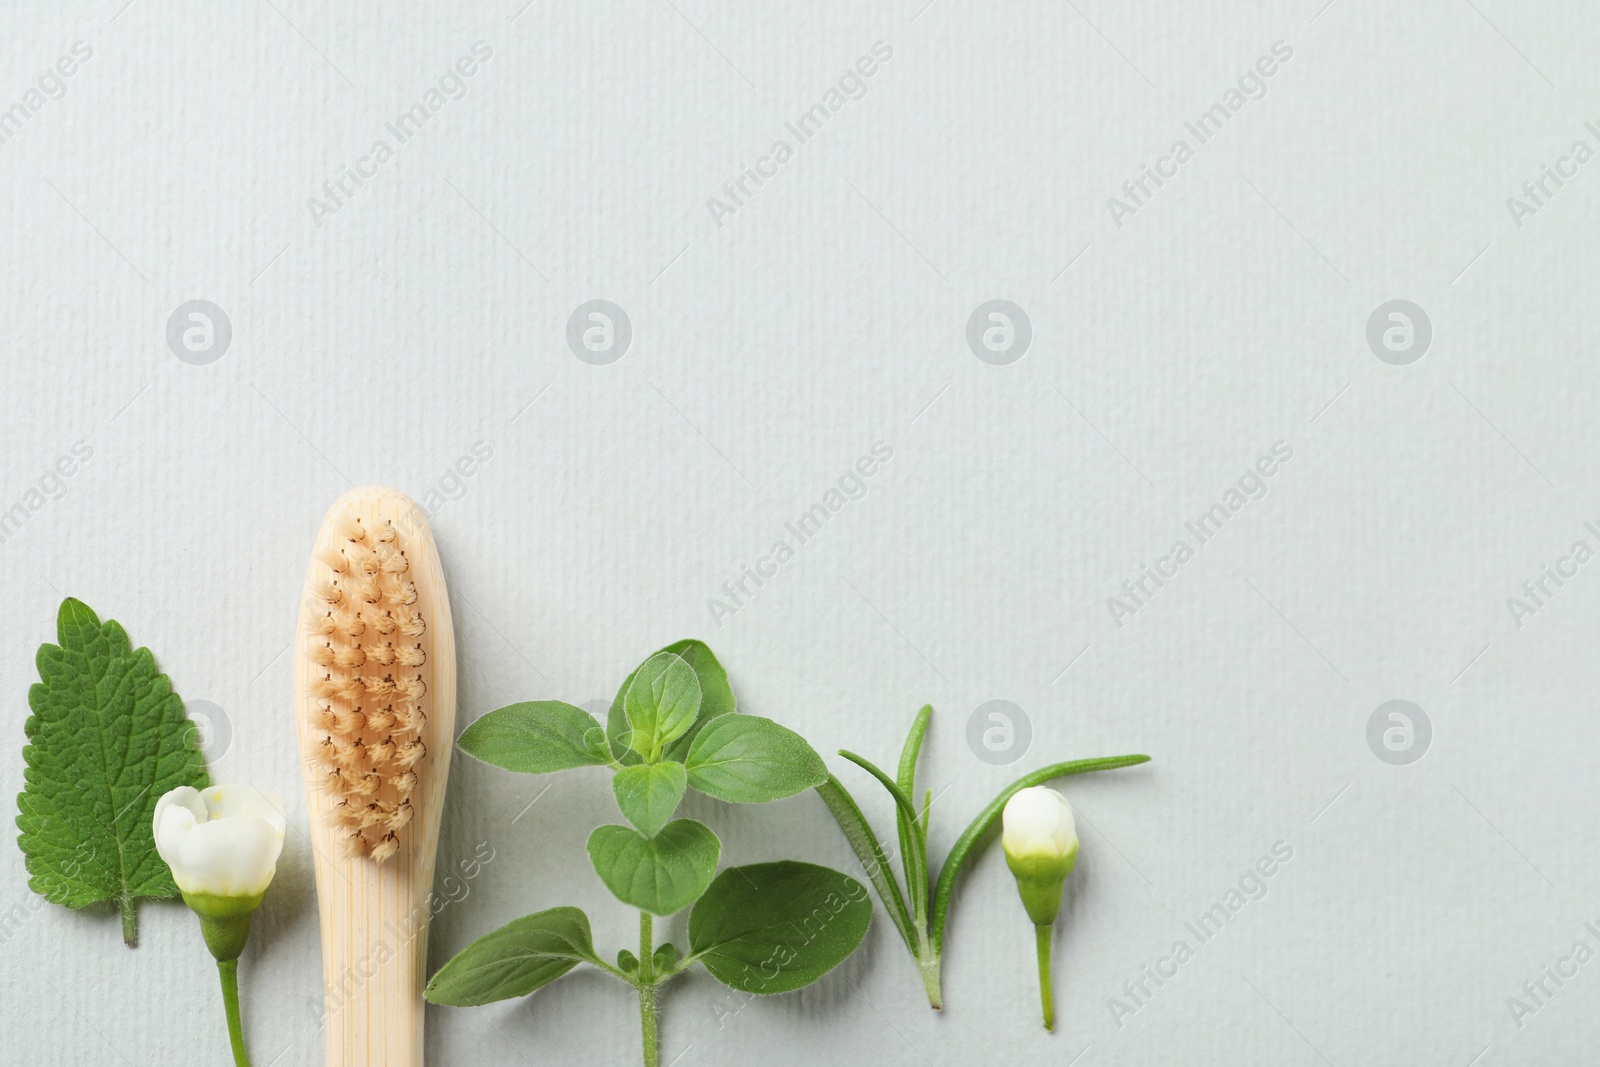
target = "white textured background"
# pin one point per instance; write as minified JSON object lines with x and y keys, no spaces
{"x":428,"y":314}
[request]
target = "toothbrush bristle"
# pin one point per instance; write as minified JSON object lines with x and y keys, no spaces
{"x":398,"y":820}
{"x":368,"y":719}
{"x":333,"y":560}
{"x":381,"y":688}
{"x":347,"y":657}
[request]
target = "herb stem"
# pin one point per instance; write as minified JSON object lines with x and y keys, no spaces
{"x":929,"y":966}
{"x":229,"y":969}
{"x":647,"y":989}
{"x":612,"y":971}
{"x":130,"y":922}
{"x":1042,"y":945}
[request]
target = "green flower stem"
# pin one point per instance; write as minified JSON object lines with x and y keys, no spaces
{"x":647,"y":989}
{"x":1042,"y":944}
{"x":229,"y":970}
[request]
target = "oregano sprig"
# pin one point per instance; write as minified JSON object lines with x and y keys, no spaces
{"x":761,"y":928}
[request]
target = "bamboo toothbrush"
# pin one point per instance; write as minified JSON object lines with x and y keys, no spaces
{"x":375,"y":696}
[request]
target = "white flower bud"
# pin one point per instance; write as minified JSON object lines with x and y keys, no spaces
{"x":1038,"y":822}
{"x":222,"y":842}
{"x":1041,"y":845}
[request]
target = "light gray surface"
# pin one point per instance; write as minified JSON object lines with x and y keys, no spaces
{"x":829,"y":312}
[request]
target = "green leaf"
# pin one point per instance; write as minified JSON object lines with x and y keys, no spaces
{"x":660,"y":703}
{"x":664,"y":959}
{"x":864,"y":842}
{"x":913,"y":857}
{"x":716,"y":698}
{"x":745,"y":759}
{"x":536,"y":737}
{"x":107,"y":739}
{"x":908,"y":810}
{"x":515,"y":960}
{"x":659,"y":874}
{"x":967,"y":843}
{"x":774,"y":927}
{"x":914,"y":834}
{"x":649,"y":794}
{"x":907,"y":778}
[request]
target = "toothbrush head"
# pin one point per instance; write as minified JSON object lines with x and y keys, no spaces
{"x":368,"y":692}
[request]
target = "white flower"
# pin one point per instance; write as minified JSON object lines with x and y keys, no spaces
{"x":223,"y":841}
{"x":1038,"y":822}
{"x":1041,"y":846}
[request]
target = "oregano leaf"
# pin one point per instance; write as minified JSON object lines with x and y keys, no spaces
{"x":657,"y":874}
{"x":774,"y":927}
{"x":746,"y":759}
{"x":536,"y":737}
{"x":665,"y":958}
{"x":716,"y":698}
{"x":661,"y":703}
{"x":107,"y":739}
{"x":716,"y":695}
{"x":648,"y":794}
{"x":516,"y":959}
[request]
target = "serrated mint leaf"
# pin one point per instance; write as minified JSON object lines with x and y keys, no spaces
{"x":745,"y":759}
{"x":774,"y":927}
{"x":661,"y":703}
{"x":515,"y":960}
{"x":648,"y":794}
{"x":536,"y":737}
{"x":716,"y":698}
{"x":658,"y":874}
{"x":107,"y":739}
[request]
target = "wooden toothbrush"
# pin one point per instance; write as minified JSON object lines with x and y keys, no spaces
{"x":375,"y":703}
